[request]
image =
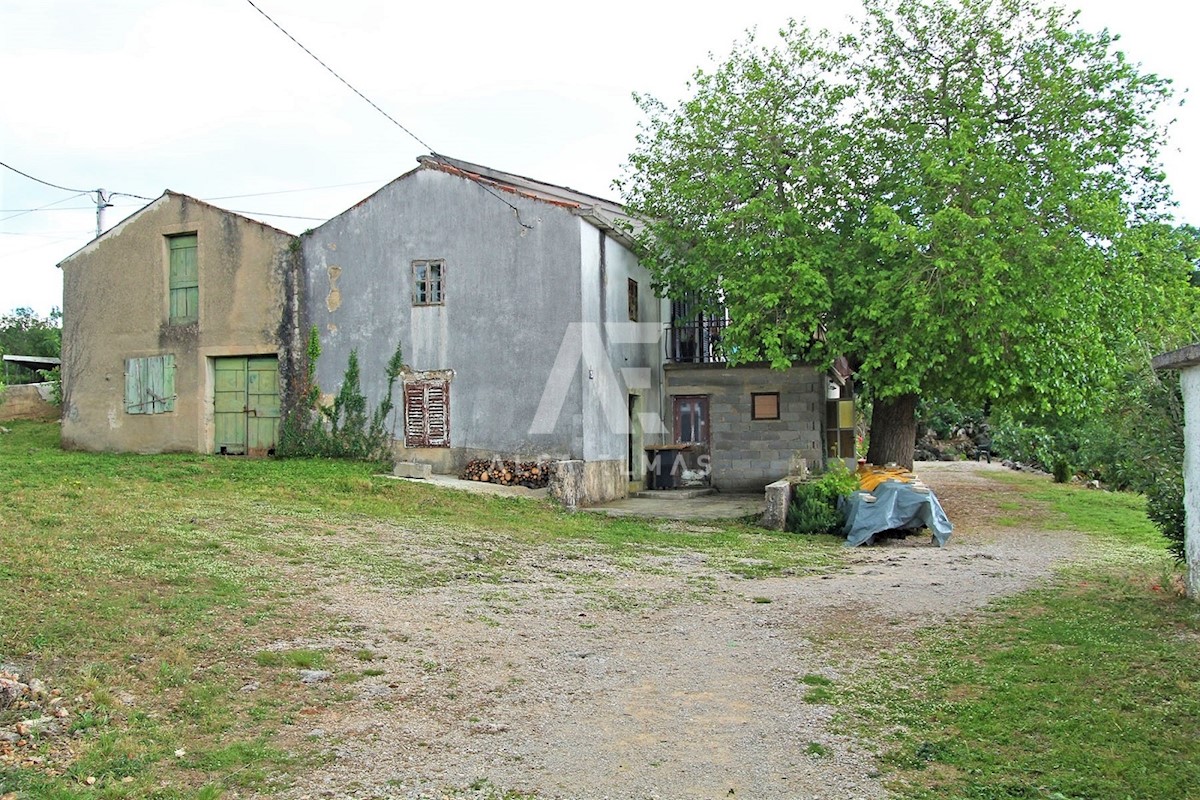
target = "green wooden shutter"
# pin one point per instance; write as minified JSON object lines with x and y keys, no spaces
{"x":164,"y":383}
{"x":150,"y":385}
{"x":133,"y":385}
{"x":184,"y":279}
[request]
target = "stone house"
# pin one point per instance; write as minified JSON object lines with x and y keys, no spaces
{"x":529,"y":327}
{"x":174,"y":331}
{"x":529,"y":330}
{"x":532,"y":330}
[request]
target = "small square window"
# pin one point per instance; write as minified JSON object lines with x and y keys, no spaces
{"x":764,"y":405}
{"x":633,"y":300}
{"x":427,"y":277}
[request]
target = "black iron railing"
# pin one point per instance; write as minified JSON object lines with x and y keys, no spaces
{"x":695,"y":341}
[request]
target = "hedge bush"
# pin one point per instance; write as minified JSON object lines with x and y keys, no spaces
{"x":814,"y":507}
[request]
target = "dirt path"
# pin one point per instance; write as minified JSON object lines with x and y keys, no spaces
{"x":587,"y":681}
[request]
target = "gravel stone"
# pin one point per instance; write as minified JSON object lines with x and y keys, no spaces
{"x":591,"y":679}
{"x":315,"y":675}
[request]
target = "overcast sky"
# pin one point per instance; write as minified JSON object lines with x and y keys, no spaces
{"x":209,"y":99}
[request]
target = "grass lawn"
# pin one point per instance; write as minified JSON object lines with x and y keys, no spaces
{"x":144,"y":589}
{"x":1086,"y":688}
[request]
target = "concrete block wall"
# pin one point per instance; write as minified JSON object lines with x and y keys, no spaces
{"x":747,"y":454}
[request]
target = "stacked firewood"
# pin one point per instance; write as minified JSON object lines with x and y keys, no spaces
{"x":532,"y":474}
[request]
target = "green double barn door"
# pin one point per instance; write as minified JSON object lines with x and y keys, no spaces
{"x":246,"y":405}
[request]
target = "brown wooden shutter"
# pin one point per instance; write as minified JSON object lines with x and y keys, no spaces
{"x":414,"y":415}
{"x":427,"y":413}
{"x":437,"y":413}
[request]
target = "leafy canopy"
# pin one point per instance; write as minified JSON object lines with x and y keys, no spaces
{"x":963,"y":196}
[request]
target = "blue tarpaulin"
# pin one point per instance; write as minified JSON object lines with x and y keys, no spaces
{"x":897,"y":506}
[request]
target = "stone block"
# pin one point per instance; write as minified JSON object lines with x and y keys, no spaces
{"x":412,"y":469}
{"x":567,"y":484}
{"x":779,"y":497}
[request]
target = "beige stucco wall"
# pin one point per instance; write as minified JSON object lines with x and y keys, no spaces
{"x":115,"y":307}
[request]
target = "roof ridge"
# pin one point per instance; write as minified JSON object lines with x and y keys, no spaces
{"x":515,"y":183}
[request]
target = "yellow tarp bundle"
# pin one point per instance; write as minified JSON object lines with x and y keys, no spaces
{"x":870,"y":476}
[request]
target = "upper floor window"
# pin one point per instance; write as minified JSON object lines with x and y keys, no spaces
{"x":427,"y":278}
{"x":633,"y":300}
{"x":183,"y":280}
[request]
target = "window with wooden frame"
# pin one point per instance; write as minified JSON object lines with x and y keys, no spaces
{"x":428,"y":277}
{"x":150,"y":385}
{"x":183,"y":280}
{"x":839,"y":428}
{"x":633,"y":300}
{"x":427,"y":413}
{"x":764,"y":405}
{"x":691,"y":419}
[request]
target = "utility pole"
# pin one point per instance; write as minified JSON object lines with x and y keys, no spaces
{"x":101,"y":204}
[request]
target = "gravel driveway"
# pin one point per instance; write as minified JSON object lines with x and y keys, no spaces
{"x":585,"y":679}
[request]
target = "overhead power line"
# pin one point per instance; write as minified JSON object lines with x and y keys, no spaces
{"x":288,"y":191}
{"x":332,"y":72}
{"x":281,"y":216}
{"x":102,"y":197}
{"x":205,"y":199}
{"x":45,"y":183}
{"x":373,"y":105}
{"x":45,"y":207}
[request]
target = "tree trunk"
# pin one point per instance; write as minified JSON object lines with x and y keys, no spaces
{"x":893,"y":431}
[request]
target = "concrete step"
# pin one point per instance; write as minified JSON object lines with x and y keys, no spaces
{"x":674,"y":494}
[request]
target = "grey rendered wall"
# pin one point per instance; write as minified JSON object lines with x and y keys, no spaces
{"x":748,"y":454}
{"x":623,"y":359}
{"x":632,"y":352}
{"x":511,"y":294}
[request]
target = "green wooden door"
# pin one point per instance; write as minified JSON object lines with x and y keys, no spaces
{"x":262,"y":404}
{"x":246,"y":405}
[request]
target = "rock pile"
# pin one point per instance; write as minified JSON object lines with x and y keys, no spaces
{"x":28,"y":711}
{"x":967,"y":442}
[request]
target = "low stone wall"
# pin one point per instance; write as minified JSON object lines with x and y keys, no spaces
{"x":28,"y":401}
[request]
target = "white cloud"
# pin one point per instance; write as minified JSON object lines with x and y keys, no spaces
{"x":210,"y":99}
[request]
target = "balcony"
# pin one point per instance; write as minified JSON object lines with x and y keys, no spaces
{"x":696,"y":341}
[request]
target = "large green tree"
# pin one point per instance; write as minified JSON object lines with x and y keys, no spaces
{"x":963,"y":197}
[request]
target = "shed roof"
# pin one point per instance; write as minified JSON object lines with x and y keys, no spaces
{"x":1179,"y":359}
{"x":32,"y":362}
